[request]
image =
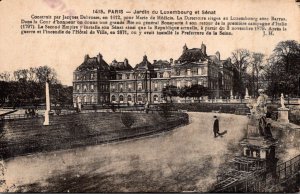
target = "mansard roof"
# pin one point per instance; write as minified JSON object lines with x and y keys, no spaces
{"x":93,"y":63}
{"x":120,"y":66}
{"x":186,"y":64}
{"x":192,"y":55}
{"x":226,"y":63}
{"x":161,"y":64}
{"x":214,"y":58}
{"x":145,"y":64}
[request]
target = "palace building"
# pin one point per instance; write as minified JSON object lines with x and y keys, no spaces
{"x":96,"y":82}
{"x":91,"y":81}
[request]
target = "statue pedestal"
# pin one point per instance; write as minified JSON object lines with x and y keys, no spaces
{"x":283,"y":115}
{"x":46,"y":122}
{"x":257,"y":153}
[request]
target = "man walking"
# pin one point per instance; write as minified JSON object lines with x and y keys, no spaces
{"x":216,"y":126}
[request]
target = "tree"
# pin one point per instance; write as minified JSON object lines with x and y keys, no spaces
{"x":287,"y":53}
{"x":4,"y":88}
{"x":183,"y":92}
{"x":283,"y":69}
{"x":5,"y":76}
{"x":240,"y":61}
{"x":44,"y":72}
{"x":197,"y":91}
{"x":169,"y":91}
{"x":28,"y":87}
{"x":257,"y":64}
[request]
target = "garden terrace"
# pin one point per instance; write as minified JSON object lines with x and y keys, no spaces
{"x":27,"y":136}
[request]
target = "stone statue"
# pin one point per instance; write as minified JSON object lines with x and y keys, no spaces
{"x":282,"y":101}
{"x":258,"y":113}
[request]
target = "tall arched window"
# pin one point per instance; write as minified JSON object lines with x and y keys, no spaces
{"x":139,"y":98}
{"x":140,"y":86}
{"x":113,"y":98}
{"x":155,"y":98}
{"x":78,"y":100}
{"x":129,"y":99}
{"x":166,"y":74}
{"x":121,"y":98}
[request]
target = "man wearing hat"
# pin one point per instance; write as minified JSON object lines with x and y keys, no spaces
{"x":216,"y":126}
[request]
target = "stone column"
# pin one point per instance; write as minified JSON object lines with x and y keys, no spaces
{"x":46,"y":122}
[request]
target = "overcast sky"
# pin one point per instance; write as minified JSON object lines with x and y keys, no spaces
{"x":65,"y":53}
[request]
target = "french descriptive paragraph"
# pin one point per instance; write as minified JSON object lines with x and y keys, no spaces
{"x":151,"y":22}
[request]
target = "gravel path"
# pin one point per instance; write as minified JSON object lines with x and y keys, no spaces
{"x":185,"y":159}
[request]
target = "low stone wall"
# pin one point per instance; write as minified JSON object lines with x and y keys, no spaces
{"x":238,"y":108}
{"x":288,"y":140}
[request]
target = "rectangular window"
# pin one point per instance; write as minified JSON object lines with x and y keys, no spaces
{"x":199,"y":71}
{"x":188,"y":72}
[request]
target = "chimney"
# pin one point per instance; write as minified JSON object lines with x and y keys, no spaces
{"x":125,"y":61}
{"x":145,"y":58}
{"x":184,"y":48}
{"x":154,"y":61}
{"x":99,"y":58}
{"x":229,"y":60}
{"x":86,"y":57}
{"x":203,"y":48}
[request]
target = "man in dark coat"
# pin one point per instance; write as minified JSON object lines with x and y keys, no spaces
{"x":216,"y":126}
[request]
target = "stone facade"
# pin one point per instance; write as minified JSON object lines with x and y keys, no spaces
{"x":91,"y":81}
{"x":96,"y":82}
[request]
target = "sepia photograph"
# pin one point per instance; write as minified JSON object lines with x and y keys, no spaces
{"x":149,"y":96}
